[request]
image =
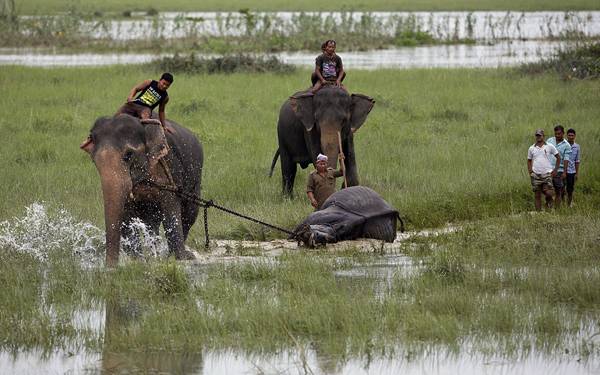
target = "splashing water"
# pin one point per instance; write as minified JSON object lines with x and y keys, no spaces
{"x":148,"y":243}
{"x":39,"y":233}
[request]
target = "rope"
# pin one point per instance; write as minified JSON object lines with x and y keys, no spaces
{"x":210,"y":203}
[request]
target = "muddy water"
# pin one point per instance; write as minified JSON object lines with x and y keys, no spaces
{"x":444,"y":56}
{"x":441,"y":25}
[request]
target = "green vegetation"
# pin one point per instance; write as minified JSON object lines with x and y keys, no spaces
{"x":440,"y":145}
{"x":581,"y":62}
{"x":192,"y":64}
{"x":505,"y":294}
{"x":120,"y":6}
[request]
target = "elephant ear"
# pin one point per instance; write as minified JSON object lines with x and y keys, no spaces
{"x":88,"y":144}
{"x":302,"y":105}
{"x":156,"y":142}
{"x":360,"y":108}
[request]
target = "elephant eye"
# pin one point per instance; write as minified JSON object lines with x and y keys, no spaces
{"x":128,"y":155}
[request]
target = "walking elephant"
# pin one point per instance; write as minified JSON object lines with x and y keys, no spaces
{"x":131,"y":157}
{"x":355,"y":212}
{"x":309,"y":124}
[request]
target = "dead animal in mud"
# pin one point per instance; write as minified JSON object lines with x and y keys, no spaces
{"x":351,"y":213}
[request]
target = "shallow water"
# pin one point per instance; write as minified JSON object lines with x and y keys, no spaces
{"x":308,"y":360}
{"x":441,"y":56}
{"x":480,"y":25}
{"x":40,"y":231}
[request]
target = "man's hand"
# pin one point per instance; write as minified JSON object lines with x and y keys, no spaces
{"x":341,"y":156}
{"x":129,"y":100}
{"x":553,"y":173}
{"x":338,"y":83}
{"x":564,"y":176}
{"x":314,"y":203}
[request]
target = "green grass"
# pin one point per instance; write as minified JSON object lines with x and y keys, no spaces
{"x":440,"y":145}
{"x":51,"y":6}
{"x":506,"y":295}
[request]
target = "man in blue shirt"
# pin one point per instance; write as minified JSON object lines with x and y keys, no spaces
{"x":564,"y":149}
{"x":573,"y":169}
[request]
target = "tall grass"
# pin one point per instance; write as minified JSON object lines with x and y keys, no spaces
{"x":440,"y":145}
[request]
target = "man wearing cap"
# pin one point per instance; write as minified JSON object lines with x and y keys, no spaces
{"x":541,"y":169}
{"x":321,"y":182}
{"x":564,"y":149}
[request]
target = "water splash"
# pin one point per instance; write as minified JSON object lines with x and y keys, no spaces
{"x":145,"y":244}
{"x":39,"y":233}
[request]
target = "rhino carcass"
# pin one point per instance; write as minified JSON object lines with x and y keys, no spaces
{"x":354,"y":212}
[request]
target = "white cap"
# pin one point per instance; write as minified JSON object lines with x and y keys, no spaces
{"x":321,"y":157}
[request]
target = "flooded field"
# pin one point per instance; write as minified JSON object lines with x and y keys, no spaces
{"x":440,"y":56}
{"x":87,"y":332}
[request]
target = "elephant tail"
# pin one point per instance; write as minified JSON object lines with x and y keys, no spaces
{"x":401,"y":223}
{"x":275,"y":157}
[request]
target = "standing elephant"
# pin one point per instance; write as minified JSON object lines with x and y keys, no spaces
{"x":127,"y":154}
{"x":309,"y":125}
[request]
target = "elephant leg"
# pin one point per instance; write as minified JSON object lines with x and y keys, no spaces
{"x":189,"y":212}
{"x":381,"y":228}
{"x":350,"y":160}
{"x":288,"y":173}
{"x":173,"y":224}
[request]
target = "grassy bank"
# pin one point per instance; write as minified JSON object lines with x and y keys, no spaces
{"x":52,"y":6}
{"x":499,"y":294}
{"x":441,"y":145}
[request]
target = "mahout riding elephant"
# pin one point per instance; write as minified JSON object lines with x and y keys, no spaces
{"x":309,"y":124}
{"x":355,"y":212}
{"x":134,"y":162}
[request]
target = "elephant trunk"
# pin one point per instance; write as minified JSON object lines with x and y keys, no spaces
{"x":329,"y":144}
{"x":116,"y":186}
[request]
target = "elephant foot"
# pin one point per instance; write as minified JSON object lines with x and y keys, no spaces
{"x":185,"y":255}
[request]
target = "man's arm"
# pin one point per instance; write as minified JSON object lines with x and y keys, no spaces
{"x":161,"y":112}
{"x":138,"y":88}
{"x":318,"y":70}
{"x":566,"y":160}
{"x":310,"y":187}
{"x":338,"y":81}
{"x":557,"y":165}
{"x":529,"y":166}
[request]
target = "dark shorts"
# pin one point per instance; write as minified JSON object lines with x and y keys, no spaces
{"x":314,"y":79}
{"x":557,"y":181}
{"x":135,"y":110}
{"x":570,"y":182}
{"x":541,"y":182}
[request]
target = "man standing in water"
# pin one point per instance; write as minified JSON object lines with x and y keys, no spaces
{"x":573,"y":169}
{"x":541,"y":170}
{"x":564,"y":148}
{"x":152,"y":93}
{"x":321,"y":182}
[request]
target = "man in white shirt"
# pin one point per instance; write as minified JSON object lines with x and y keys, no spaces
{"x":541,"y":169}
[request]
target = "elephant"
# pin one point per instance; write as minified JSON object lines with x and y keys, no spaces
{"x":133,"y":159}
{"x":354,"y":212}
{"x":309,"y":124}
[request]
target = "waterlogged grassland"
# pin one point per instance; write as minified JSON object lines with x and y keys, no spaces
{"x":440,"y":145}
{"x":52,"y":6}
{"x":504,"y":295}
